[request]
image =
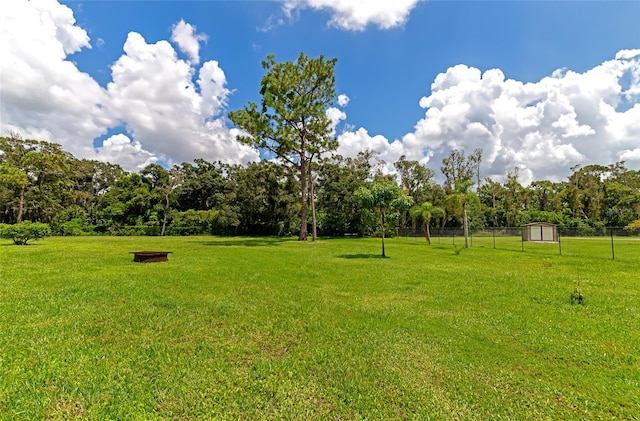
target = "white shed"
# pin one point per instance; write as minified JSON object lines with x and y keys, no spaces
{"x":540,"y":231}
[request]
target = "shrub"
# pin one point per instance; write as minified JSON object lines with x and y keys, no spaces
{"x":72,"y":227}
{"x":25,"y":231}
{"x":633,"y":227}
{"x":71,"y":221}
{"x":193,"y":222}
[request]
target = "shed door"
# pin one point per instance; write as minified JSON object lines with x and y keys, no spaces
{"x":547,"y":234}
{"x":536,"y":233}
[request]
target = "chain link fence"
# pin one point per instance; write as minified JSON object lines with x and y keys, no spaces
{"x":604,"y":242}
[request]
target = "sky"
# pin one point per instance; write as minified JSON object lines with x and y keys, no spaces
{"x":538,"y":85}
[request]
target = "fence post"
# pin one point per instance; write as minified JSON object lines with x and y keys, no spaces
{"x":559,"y":244}
{"x":494,"y":237}
{"x":522,"y":237}
{"x":613,"y":252}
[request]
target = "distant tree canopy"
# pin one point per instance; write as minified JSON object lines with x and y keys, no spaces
{"x":40,"y":182}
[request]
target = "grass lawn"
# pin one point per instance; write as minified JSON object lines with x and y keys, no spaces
{"x":265,"y":328}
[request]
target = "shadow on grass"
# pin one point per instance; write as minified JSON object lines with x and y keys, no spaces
{"x":245,"y":242}
{"x":362,"y":256}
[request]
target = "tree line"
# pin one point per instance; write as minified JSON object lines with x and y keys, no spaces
{"x":41,"y":182}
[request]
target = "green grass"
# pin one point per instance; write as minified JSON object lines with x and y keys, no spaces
{"x":263,"y":328}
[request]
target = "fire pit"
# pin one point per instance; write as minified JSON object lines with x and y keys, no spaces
{"x":150,"y":256}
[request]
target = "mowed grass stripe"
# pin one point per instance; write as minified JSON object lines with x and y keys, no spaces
{"x":267,"y":328}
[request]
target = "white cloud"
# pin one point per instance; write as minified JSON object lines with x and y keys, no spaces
{"x":60,"y":18}
{"x":168,"y":116}
{"x":153,"y":93}
{"x":44,"y":95}
{"x":627,"y":54}
{"x":356,"y":15}
{"x":129,"y":154}
{"x":343,"y":100}
{"x":335,"y":115}
{"x":628,"y":155}
{"x":351,"y":143}
{"x":184,"y":35}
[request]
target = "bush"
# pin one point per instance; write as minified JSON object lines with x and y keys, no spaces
{"x":25,"y":231}
{"x":71,"y":221}
{"x":193,"y":222}
{"x":633,"y":227}
{"x":73,"y":227}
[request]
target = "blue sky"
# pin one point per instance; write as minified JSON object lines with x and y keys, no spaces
{"x":541,"y":109}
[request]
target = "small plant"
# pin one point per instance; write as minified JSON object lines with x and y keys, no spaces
{"x":457,"y":249}
{"x":547,"y":263}
{"x":24,"y":232}
{"x":576,"y":295}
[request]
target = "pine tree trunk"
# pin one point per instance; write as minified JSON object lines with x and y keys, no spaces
{"x":314,"y":229}
{"x":303,"y":191}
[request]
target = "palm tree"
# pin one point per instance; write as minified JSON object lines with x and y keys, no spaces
{"x":384,"y":198}
{"x":459,"y":202}
{"x":425,"y":212}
